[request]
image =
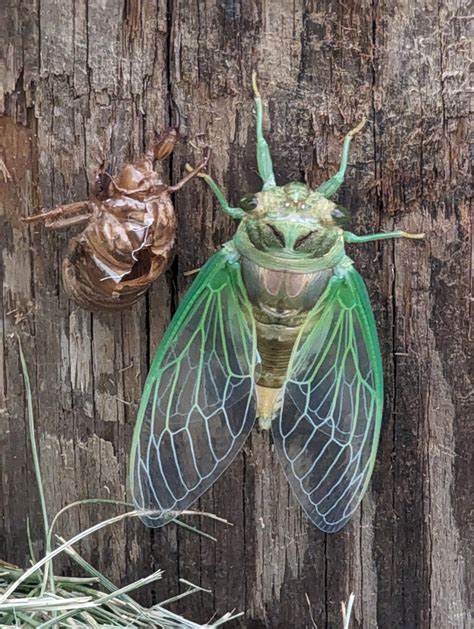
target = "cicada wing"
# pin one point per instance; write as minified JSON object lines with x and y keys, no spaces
{"x":328,"y":429}
{"x":198,"y":405}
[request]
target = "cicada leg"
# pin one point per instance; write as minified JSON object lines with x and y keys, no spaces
{"x":235,"y":212}
{"x":192,"y":173}
{"x":63,"y":215}
{"x":331,"y":186}
{"x":264,"y":158}
{"x":164,"y":143}
{"x":353,"y":238}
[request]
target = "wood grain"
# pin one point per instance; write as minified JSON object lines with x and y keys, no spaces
{"x":84,"y":80}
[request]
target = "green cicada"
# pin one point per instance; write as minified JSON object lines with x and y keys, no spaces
{"x":278,"y":326}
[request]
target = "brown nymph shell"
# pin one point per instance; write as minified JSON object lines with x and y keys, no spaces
{"x":130,"y":233}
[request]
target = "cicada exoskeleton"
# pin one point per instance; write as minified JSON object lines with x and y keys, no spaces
{"x":130,"y":232}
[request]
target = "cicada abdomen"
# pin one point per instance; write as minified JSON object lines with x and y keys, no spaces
{"x":130,"y":232}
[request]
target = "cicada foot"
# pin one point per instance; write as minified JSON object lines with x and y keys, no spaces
{"x":418,"y":236}
{"x":63,"y":215}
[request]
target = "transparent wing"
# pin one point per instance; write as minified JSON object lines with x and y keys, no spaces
{"x":198,"y":404}
{"x":328,"y":429}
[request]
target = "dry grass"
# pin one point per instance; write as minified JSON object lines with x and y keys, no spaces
{"x":36,"y":597}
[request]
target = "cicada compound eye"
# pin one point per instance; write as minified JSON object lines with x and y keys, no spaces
{"x":248,"y":202}
{"x":340,"y":216}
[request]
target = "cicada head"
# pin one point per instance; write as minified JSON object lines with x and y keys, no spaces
{"x":292,"y":221}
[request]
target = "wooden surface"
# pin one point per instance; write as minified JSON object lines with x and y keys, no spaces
{"x":83,"y":80}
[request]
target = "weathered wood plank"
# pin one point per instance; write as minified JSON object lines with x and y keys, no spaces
{"x":86,"y":80}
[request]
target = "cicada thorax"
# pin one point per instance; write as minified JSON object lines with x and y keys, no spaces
{"x":281,"y":301}
{"x":125,"y":247}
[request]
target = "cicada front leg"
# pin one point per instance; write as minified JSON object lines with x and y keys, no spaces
{"x":163,"y":144}
{"x":235,"y":212}
{"x":264,"y":158}
{"x":331,"y":186}
{"x":191,"y":173}
{"x":63,"y":216}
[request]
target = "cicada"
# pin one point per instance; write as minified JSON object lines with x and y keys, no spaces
{"x":277,"y":326}
{"x":130,"y":231}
